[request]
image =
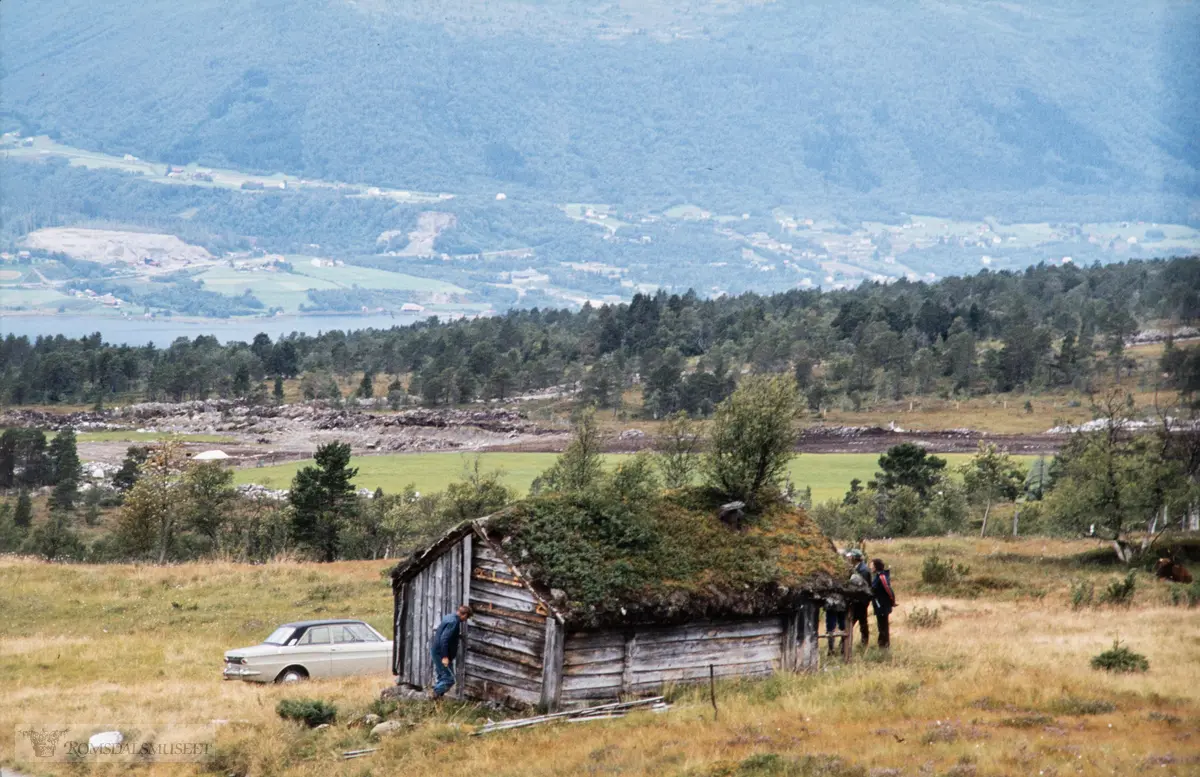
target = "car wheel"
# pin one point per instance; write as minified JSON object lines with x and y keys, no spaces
{"x":293,"y":674}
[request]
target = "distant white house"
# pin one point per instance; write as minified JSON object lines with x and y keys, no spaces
{"x":412,"y":307}
{"x":213,"y":455}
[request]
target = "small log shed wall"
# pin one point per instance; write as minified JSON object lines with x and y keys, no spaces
{"x":517,"y":651}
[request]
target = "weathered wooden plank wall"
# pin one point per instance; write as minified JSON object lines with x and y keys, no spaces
{"x":507,"y":638}
{"x":603,"y":664}
{"x":809,"y":652}
{"x":432,"y":593}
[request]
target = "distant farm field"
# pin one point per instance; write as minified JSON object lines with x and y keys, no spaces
{"x":275,"y":289}
{"x":828,"y":474}
{"x":348,"y":276}
{"x":289,"y":290}
{"x":36,"y":299}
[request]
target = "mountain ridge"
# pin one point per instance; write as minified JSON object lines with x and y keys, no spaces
{"x":775,"y":104}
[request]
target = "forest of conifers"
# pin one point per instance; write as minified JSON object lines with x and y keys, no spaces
{"x":1046,"y":327}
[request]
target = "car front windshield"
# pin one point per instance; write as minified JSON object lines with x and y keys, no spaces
{"x":279,"y":636}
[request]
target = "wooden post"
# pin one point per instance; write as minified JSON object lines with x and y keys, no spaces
{"x":468,"y":568}
{"x":848,"y":641}
{"x":460,"y":664}
{"x":791,"y":632}
{"x":810,"y":652}
{"x":552,"y":665}
{"x":398,"y":631}
{"x":712,"y":692}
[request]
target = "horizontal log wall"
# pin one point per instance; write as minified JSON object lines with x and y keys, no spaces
{"x":507,"y":635}
{"x":604,"y":664}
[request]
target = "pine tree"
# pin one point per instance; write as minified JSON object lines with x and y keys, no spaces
{"x":23,"y":514}
{"x":56,"y":538}
{"x":910,"y":465}
{"x":366,"y":388}
{"x":11,"y":536}
{"x":278,"y":393}
{"x":323,"y":500}
{"x":64,"y":457}
{"x":395,"y":395}
{"x":65,"y":469}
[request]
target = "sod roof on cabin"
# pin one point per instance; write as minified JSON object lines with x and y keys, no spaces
{"x":670,"y":559}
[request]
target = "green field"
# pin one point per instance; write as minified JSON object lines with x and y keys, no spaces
{"x":368,"y":278}
{"x":32,"y":299}
{"x":275,"y":289}
{"x":829,"y":474}
{"x":290,"y":290}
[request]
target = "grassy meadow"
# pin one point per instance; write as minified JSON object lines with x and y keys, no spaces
{"x":1003,"y":686}
{"x":829,"y":474}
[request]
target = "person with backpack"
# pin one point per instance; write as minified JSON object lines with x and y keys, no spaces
{"x":835,"y":618}
{"x":859,"y":573}
{"x":883,"y":599}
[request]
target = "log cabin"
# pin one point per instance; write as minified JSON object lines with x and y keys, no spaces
{"x":573,"y":607}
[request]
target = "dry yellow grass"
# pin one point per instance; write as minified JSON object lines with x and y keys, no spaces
{"x":996,"y":688}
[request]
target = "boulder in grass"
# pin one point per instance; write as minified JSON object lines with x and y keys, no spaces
{"x":389,"y":727}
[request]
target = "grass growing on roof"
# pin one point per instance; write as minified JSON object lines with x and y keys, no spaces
{"x":669,"y":557}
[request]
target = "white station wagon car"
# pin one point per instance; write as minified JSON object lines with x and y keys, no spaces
{"x":297,"y":651}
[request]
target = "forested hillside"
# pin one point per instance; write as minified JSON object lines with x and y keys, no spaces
{"x":1043,"y":328}
{"x":968,"y":107}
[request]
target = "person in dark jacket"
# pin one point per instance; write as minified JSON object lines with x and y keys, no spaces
{"x":858,"y":608}
{"x":883,"y":599}
{"x":444,"y":648}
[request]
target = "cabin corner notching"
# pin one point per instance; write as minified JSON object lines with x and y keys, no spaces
{"x":517,"y":650}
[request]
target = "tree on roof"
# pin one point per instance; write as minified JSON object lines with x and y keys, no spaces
{"x":578,"y":467}
{"x":678,"y":447}
{"x":753,"y":434}
{"x":477,"y":494}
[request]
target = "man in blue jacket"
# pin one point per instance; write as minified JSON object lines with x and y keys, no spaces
{"x":444,"y":648}
{"x":883,"y":599}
